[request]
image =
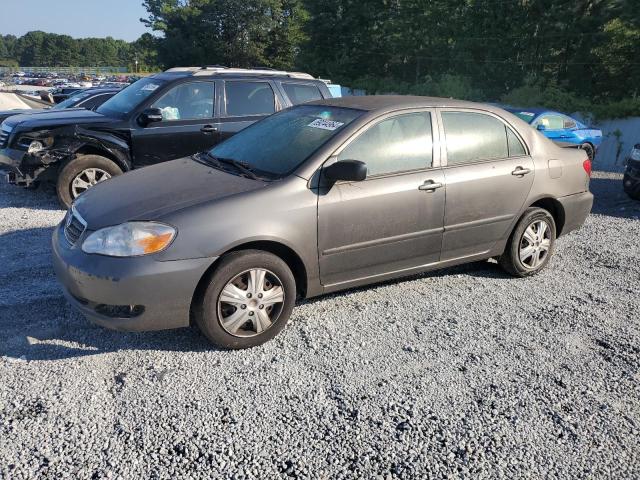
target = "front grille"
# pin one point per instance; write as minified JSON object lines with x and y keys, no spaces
{"x":74,"y":226}
{"x":4,"y":138}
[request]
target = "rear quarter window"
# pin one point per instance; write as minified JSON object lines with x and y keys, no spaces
{"x":301,"y":93}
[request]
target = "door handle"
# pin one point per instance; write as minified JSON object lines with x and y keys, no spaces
{"x":209,"y":129}
{"x":520,"y":171}
{"x":430,"y":186}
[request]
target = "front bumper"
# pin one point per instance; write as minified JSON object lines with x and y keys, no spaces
{"x":576,"y":210}
{"x":160,"y":291}
{"x":11,"y":159}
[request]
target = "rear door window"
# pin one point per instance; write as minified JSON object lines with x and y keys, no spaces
{"x":247,"y":98}
{"x":473,"y":137}
{"x":301,"y":93}
{"x":397,"y":144}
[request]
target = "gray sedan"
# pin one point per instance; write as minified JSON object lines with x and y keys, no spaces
{"x":318,"y":198}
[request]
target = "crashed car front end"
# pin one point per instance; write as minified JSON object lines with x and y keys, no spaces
{"x":27,"y":156}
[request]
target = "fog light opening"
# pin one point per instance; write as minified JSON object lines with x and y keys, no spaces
{"x":119,"y":311}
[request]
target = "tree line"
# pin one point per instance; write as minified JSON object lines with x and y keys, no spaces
{"x":41,"y":49}
{"x":571,"y":54}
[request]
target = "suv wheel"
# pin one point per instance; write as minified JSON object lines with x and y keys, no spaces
{"x":531,"y":244}
{"x":247,"y":301}
{"x":82,"y":173}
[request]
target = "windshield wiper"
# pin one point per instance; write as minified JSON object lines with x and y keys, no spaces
{"x":240,"y":166}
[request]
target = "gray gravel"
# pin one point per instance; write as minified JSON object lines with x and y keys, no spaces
{"x":460,"y":373}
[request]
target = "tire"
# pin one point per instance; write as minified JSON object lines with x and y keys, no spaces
{"x":103,"y":169}
{"x":218,"y":319}
{"x":512,"y":260}
{"x":631,"y":187}
{"x":591,"y":152}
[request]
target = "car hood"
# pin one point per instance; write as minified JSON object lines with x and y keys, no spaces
{"x":9,"y":113}
{"x":152,"y":192}
{"x":56,"y":118}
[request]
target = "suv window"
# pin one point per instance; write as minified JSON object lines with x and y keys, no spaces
{"x":569,"y":123}
{"x":397,"y":144}
{"x":188,"y":101}
{"x":245,"y":98}
{"x":474,"y":136}
{"x":301,"y":93}
{"x":130,"y":97}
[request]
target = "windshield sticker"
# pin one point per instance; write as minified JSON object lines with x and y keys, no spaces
{"x":150,"y":87}
{"x":325,"y":124}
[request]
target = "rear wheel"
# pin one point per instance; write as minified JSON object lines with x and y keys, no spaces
{"x":82,"y":173}
{"x":531,"y":244}
{"x":591,"y":152}
{"x":247,"y":301}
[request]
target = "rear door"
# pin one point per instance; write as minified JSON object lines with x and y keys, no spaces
{"x":188,"y":126}
{"x":392,"y":221}
{"x":488,"y":174}
{"x":245,"y":101}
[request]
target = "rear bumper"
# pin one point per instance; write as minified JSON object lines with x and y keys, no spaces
{"x":576,"y":210}
{"x":160,"y":293}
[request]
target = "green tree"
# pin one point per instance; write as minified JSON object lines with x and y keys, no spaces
{"x":238,"y":33}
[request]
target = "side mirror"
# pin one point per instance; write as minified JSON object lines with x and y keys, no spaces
{"x":347,"y":170}
{"x":150,"y":115}
{"x":541,"y":127}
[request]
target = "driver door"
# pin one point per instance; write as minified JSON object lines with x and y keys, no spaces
{"x":188,"y":125}
{"x":392,"y":221}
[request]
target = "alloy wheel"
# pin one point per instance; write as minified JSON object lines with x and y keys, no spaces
{"x":535,"y":244}
{"x":250,"y":303}
{"x":86,"y":179}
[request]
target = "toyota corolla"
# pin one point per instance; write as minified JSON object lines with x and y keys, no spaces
{"x":317,"y":198}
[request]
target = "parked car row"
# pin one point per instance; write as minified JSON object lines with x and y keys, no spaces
{"x":260,"y":189}
{"x":162,"y":117}
{"x":89,"y":99}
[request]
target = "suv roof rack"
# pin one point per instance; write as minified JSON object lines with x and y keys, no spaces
{"x":220,"y":69}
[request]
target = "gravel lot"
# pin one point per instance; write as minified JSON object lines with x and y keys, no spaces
{"x":460,"y":373}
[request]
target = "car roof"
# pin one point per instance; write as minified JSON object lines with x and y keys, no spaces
{"x":222,"y":71}
{"x":537,"y":111}
{"x":394,"y":102}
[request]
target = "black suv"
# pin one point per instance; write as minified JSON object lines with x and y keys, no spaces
{"x":162,"y":117}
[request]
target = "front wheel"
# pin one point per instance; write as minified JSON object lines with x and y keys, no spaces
{"x":248,"y":300}
{"x":82,"y":173}
{"x":531,"y":244}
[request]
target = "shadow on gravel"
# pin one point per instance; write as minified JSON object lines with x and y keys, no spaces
{"x":37,"y":323}
{"x":41,"y":198}
{"x":611,"y":200}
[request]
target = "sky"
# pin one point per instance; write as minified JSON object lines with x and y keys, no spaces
{"x":79,"y":18}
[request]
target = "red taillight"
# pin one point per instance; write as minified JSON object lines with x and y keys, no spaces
{"x":587,"y":166}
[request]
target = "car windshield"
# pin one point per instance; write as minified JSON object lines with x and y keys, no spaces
{"x":71,"y":101}
{"x":277,"y":145}
{"x":526,"y":116}
{"x":129,"y":98}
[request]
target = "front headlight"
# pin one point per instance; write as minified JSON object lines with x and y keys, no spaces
{"x":34,"y":145}
{"x":130,"y":239}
